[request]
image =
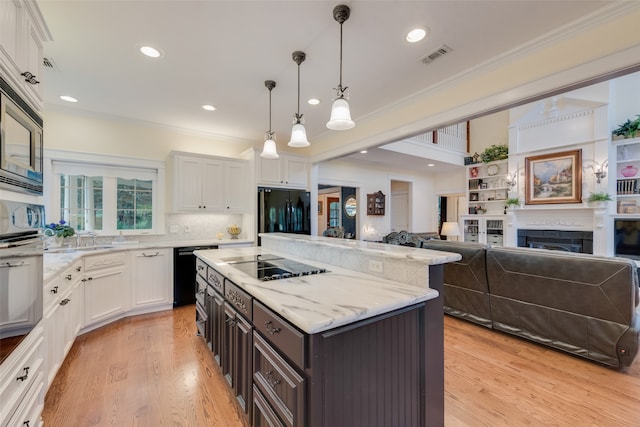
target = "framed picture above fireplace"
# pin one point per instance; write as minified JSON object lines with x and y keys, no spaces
{"x":554,"y":178}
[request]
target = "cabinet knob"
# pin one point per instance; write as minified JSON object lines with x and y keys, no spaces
{"x":78,"y":268}
{"x":54,"y":290}
{"x":68,"y":277}
{"x":270,"y":329}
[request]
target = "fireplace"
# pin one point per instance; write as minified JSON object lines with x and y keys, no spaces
{"x":560,"y":240}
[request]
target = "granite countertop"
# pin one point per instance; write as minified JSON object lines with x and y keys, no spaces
{"x":320,"y":302}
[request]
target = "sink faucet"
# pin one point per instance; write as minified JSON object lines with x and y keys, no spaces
{"x":91,"y":234}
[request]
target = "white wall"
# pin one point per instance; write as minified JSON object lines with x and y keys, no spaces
{"x":67,"y":129}
{"x":368,"y":180}
{"x":488,"y":130}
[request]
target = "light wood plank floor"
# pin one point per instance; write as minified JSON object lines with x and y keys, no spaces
{"x":152,"y":370}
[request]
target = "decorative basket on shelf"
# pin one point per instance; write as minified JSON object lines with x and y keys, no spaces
{"x":234,"y":231}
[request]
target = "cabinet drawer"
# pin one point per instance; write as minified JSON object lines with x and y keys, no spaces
{"x":280,"y":384}
{"x":285,"y":337}
{"x":110,"y":259}
{"x":201,"y":267}
{"x":216,"y":280}
{"x":28,"y":413}
{"x":263,"y":415}
{"x":19,"y":378}
{"x":240,"y":300}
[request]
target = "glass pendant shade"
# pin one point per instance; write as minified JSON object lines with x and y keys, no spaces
{"x":340,"y":115}
{"x":299,"y":136}
{"x":269,"y":150}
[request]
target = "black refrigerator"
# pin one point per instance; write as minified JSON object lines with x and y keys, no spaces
{"x":283,"y":211}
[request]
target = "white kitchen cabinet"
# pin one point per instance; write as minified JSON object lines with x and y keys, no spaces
{"x":287,"y":171}
{"x":106,"y":288}
{"x":20,"y":315}
{"x":209,"y":184}
{"x":21,"y":382}
{"x":63,"y":316}
{"x":22,"y":33}
{"x":236,"y":182}
{"x":152,"y":279}
{"x":486,"y":229}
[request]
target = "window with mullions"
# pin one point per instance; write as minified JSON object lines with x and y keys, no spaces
{"x":81,"y":201}
{"x":134,"y":208}
{"x":106,"y":198}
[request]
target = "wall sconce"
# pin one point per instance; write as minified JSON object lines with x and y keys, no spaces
{"x":512,"y":180}
{"x":600,"y":171}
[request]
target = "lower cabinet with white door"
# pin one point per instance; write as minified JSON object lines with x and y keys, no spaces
{"x":106,"y":288}
{"x":151,"y":280}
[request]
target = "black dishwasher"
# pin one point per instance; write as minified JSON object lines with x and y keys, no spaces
{"x":184,"y":274}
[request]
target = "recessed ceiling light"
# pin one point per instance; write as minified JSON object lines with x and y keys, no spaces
{"x":68,"y":98}
{"x":209,"y":107}
{"x":313,"y":101}
{"x":416,"y":35}
{"x":363,"y":152}
{"x":430,"y":165}
{"x":150,"y":51}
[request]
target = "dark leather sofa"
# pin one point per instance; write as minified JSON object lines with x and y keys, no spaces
{"x":578,"y":303}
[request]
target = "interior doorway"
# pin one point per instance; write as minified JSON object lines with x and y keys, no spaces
{"x":450,"y":207}
{"x":337,"y":207}
{"x":400,"y":205}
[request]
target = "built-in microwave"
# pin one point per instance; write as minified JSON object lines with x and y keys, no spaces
{"x":20,"y":144}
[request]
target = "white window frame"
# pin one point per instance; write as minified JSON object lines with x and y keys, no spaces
{"x":110,"y":168}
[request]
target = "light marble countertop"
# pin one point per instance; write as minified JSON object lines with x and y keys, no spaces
{"x":428,"y":256}
{"x":320,"y":302}
{"x":58,"y":259}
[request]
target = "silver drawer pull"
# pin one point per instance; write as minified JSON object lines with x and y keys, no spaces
{"x":271,"y":380}
{"x":272,"y":330}
{"x":68,"y":277}
{"x":150,"y":256}
{"x":25,"y":376}
{"x":199,"y":267}
{"x":54,"y":290}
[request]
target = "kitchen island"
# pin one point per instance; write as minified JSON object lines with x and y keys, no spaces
{"x":341,"y":347}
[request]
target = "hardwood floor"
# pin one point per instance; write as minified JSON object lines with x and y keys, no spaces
{"x":152,"y":370}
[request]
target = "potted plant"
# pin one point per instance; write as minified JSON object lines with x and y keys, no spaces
{"x":58,"y":231}
{"x":599,"y":199}
{"x":495,"y":152}
{"x":512,"y":202}
{"x":628,"y":129}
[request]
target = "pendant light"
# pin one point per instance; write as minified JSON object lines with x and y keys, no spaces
{"x":269,"y":149}
{"x":340,"y":114}
{"x":298,"y":132}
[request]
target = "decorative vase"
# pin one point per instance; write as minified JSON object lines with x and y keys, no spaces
{"x":629,"y":171}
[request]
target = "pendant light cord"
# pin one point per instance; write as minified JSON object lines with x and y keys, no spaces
{"x":298,"y":115}
{"x":269,"y":111}
{"x":340,"y":85}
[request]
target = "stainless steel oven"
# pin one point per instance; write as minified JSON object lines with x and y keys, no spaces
{"x":21,"y":270}
{"x":20,"y":144}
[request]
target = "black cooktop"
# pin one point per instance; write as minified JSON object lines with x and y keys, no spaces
{"x":269,"y":267}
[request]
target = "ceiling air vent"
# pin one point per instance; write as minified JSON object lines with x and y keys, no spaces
{"x":432,"y":56}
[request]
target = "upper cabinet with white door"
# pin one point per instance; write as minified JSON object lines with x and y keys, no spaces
{"x":22,"y":33}
{"x":209,"y":184}
{"x":287,"y":171}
